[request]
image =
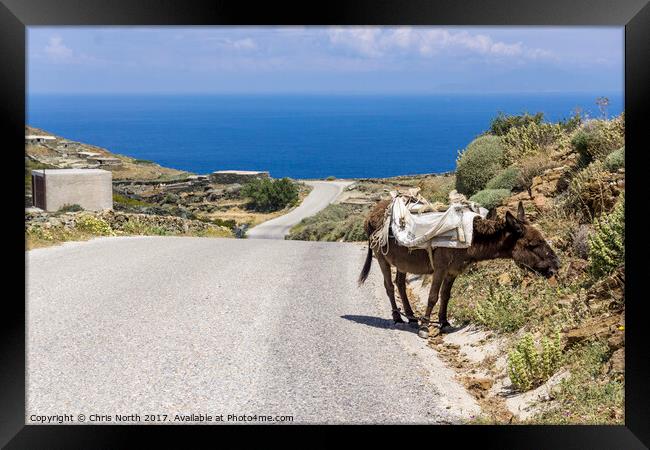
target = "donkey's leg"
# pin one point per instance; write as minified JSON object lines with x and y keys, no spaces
{"x":400,"y":279}
{"x":388,"y":284}
{"x":436,"y":282}
{"x":445,"y":293}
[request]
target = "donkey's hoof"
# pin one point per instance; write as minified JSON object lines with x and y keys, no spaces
{"x":397,"y":319}
{"x":446,"y":327}
{"x":423,"y":332}
{"x":413,"y":322}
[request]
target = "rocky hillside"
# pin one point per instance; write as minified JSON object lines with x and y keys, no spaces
{"x":530,"y":349}
{"x":149,"y":199}
{"x":64,"y":153}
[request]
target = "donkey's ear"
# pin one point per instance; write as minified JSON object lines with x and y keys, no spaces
{"x":521,"y":214}
{"x":492,"y":214}
{"x":513,"y":223}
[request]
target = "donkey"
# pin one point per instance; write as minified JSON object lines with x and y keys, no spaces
{"x":511,"y":237}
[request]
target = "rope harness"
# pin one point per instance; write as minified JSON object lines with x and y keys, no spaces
{"x":420,"y":318}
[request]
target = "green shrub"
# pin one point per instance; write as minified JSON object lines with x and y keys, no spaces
{"x":128,"y":201}
{"x":270,"y":195}
{"x":502,"y":123}
{"x":506,"y":179}
{"x":353,"y":230}
{"x":139,"y":227}
{"x":615,"y":160}
{"x":530,"y":140}
{"x":590,"y":192}
{"x":70,"y":208}
{"x":331,"y":178}
{"x":585,"y":397}
{"x":607,"y":242}
{"x":502,"y":310}
{"x":571,"y":123}
{"x":143,"y":161}
{"x":335,"y":223}
{"x":490,"y":198}
{"x":93,"y":225}
{"x":480,"y":161}
{"x":598,"y":138}
{"x":528,"y":367}
{"x":226,"y":223}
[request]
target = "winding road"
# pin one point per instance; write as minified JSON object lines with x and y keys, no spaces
{"x":265,"y":329}
{"x":322,"y":194}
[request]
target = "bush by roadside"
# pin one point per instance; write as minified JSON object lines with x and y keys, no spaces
{"x":42,"y":229}
{"x":596,"y":139}
{"x":270,"y":194}
{"x":478,"y":163}
{"x":615,"y":160}
{"x":490,"y":198}
{"x":337,"y":222}
{"x":508,"y":178}
{"x":607,"y":243}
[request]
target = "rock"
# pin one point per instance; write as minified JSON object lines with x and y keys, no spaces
{"x":609,"y":288}
{"x":594,"y":328}
{"x":617,"y":340}
{"x":483,"y":384}
{"x":546,"y":184}
{"x":575,"y":268}
{"x":525,"y":405}
{"x":616,"y":364}
{"x":541,"y":202}
{"x":233,"y":189}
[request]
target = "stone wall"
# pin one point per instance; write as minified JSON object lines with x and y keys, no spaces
{"x":233,"y":176}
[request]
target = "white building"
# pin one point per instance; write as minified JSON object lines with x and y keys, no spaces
{"x":38,"y":139}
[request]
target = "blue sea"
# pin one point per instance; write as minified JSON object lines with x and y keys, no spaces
{"x":299,"y":136}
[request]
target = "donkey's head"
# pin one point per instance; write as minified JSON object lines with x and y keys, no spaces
{"x":531,"y":251}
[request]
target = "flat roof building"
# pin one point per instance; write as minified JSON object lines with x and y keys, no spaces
{"x":38,"y":138}
{"x":92,"y":189}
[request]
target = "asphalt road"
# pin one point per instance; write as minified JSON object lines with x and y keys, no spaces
{"x":171,"y":325}
{"x":322,"y":194}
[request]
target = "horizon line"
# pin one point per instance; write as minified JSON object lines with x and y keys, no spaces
{"x":369,"y":93}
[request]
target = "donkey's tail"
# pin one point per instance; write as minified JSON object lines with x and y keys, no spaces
{"x":366,"y":266}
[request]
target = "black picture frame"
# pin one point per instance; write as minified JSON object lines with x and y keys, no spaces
{"x":634,"y":15}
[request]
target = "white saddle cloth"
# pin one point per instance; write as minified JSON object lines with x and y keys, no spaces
{"x":451,"y":228}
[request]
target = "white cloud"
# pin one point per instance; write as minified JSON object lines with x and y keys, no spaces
{"x":244,"y":44}
{"x":230,"y":44}
{"x":56,"y":50}
{"x":375,"y":42}
{"x":364,"y":40}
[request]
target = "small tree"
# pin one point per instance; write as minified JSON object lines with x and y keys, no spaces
{"x":478,"y":163}
{"x":502,"y":123}
{"x":270,"y":195}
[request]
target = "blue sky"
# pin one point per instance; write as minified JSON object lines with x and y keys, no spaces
{"x":324,"y":59}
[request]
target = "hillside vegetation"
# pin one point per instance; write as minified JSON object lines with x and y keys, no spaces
{"x":564,"y":336}
{"x":550,"y":351}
